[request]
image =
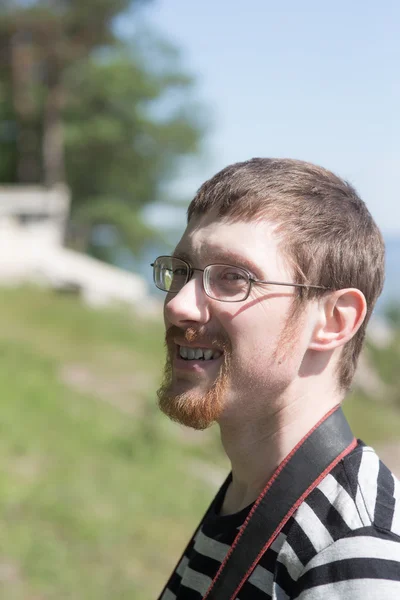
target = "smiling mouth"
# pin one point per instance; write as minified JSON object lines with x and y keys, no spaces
{"x":190,"y":353}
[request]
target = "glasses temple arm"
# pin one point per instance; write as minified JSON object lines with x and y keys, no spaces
{"x":302,"y":285}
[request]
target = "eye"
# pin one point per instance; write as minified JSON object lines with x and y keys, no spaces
{"x":179,"y":272}
{"x":233,"y":276}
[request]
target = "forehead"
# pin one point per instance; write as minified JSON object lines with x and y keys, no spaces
{"x":252,"y":244}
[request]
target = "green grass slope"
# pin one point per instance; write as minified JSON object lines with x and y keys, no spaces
{"x":98,"y":492}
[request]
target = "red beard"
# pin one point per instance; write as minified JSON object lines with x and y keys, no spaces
{"x":192,"y":408}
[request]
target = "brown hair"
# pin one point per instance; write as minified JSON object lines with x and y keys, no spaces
{"x":326,"y":230}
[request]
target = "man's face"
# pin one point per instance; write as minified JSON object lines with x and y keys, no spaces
{"x":257,"y":350}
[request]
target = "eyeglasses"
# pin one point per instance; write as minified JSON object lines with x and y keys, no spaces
{"x":225,"y":283}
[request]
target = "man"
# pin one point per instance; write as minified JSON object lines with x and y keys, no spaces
{"x":269,"y":293}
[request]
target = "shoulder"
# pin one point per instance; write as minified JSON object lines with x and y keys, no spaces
{"x":374,"y":489}
{"x":360,"y":492}
{"x":352,"y":518}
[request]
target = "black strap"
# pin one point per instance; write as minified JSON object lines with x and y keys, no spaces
{"x":316,"y":455}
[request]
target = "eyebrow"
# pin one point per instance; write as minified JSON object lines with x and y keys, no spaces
{"x":225,"y":257}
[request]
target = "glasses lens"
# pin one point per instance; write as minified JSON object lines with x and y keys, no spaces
{"x":224,"y":282}
{"x":170,"y":274}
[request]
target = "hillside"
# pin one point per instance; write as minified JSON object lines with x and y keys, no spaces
{"x":98,"y":491}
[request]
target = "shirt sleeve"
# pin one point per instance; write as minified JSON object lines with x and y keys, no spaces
{"x":364,"y":565}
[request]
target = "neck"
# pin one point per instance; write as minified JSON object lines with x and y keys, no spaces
{"x":256,"y":447}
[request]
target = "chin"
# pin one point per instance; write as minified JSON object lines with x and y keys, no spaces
{"x":194,"y":394}
{"x":194,"y":406}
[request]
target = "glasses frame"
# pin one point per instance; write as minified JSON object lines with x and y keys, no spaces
{"x":252,"y":280}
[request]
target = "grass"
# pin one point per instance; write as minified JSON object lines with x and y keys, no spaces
{"x":88,"y":496}
{"x":98,"y":492}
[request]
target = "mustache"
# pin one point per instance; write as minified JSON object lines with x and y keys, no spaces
{"x":197,"y":334}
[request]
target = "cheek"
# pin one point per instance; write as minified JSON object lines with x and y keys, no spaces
{"x":166,"y":321}
{"x":165,"y":310}
{"x":258,"y":329}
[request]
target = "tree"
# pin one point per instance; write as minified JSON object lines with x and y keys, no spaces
{"x":112,"y":122}
{"x":392,"y":314}
{"x":112,"y":118}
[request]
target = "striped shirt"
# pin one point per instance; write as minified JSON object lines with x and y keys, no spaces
{"x":343,"y":542}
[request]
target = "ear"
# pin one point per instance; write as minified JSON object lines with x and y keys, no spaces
{"x":340,"y":315}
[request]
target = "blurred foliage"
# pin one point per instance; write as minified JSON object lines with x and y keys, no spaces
{"x":386,"y":358}
{"x":113,"y":117}
{"x":392,"y":314}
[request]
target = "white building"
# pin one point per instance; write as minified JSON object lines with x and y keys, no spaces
{"x":32,"y":231}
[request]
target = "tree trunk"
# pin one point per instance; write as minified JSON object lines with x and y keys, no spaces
{"x":53,"y":134}
{"x":28,"y":164}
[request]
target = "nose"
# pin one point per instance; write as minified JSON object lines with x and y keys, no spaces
{"x":190,"y":305}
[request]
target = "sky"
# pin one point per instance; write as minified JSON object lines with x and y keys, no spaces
{"x":317,"y":81}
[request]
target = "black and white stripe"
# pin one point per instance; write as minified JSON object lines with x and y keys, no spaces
{"x":342,"y":542}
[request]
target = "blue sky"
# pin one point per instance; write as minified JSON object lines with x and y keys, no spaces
{"x":311,"y":80}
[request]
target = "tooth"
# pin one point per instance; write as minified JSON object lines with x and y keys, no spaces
{"x":198,"y":353}
{"x":183,"y":352}
{"x":190,"y":353}
{"x":207,"y":354}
